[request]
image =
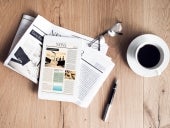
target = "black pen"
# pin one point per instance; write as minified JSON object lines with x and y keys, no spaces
{"x":109,"y":102}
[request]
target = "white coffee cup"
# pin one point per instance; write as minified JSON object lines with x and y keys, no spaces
{"x":148,"y":55}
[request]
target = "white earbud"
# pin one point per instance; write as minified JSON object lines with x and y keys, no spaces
{"x":113,"y":31}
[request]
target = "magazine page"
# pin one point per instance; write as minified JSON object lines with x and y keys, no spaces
{"x":59,"y":72}
{"x":25,"y":56}
{"x":95,"y":68}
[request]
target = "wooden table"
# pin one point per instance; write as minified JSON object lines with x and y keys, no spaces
{"x":139,"y":102}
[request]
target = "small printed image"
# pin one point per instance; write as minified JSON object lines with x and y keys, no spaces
{"x":55,"y":58}
{"x":21,"y":57}
{"x":70,"y":74}
{"x":57,"y":88}
{"x":58,"y":77}
{"x":26,"y":60}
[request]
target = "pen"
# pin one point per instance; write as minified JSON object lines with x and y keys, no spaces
{"x":109,"y":102}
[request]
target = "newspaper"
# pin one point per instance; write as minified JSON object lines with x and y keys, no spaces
{"x":95,"y":66}
{"x":60,"y":68}
{"x":24,"y":58}
{"x":62,"y":79}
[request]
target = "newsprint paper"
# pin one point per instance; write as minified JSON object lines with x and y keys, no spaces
{"x":63,"y":77}
{"x":60,"y":68}
{"x":25,"y":56}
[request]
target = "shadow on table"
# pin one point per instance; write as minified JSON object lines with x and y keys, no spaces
{"x":34,"y":88}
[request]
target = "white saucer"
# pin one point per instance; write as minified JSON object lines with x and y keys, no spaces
{"x":134,"y":64}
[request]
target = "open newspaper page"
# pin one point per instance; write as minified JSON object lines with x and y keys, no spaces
{"x":59,"y":72}
{"x":25,"y":56}
{"x":95,"y":68}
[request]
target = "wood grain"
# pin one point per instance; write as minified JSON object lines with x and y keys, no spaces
{"x":139,"y":102}
{"x":157,"y":90}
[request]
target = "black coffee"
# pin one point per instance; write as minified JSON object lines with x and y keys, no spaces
{"x":148,"y":56}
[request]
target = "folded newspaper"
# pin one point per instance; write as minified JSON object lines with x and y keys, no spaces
{"x":25,"y":55}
